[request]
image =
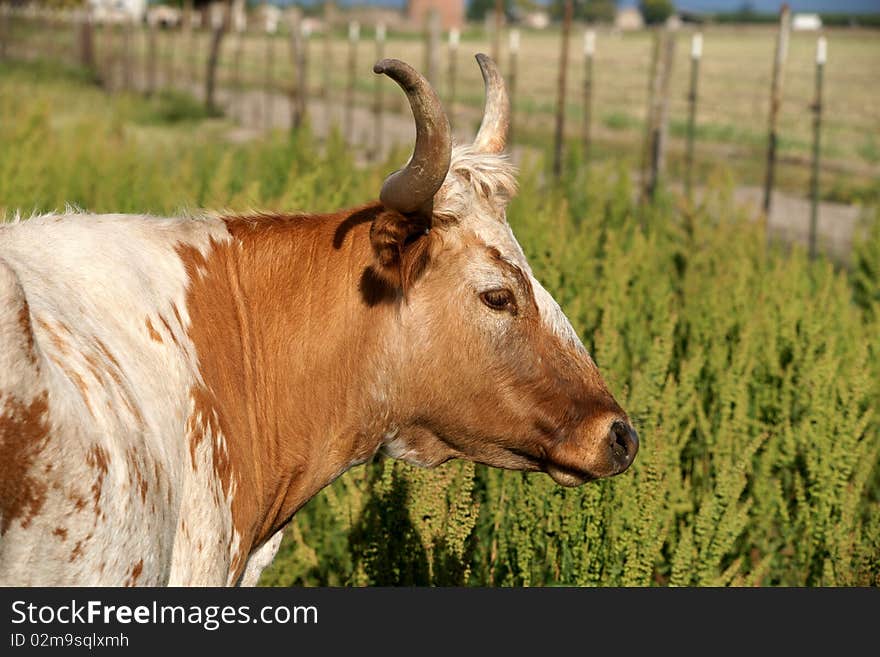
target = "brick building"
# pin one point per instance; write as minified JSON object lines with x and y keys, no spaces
{"x":451,"y":12}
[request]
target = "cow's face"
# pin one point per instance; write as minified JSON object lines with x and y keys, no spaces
{"x":488,"y":367}
{"x":491,"y":368}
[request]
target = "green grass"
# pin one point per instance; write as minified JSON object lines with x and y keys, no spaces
{"x":752,"y":372}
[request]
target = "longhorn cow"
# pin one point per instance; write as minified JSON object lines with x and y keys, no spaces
{"x":173,"y":390}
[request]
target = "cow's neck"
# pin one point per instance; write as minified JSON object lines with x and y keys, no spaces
{"x":287,"y":331}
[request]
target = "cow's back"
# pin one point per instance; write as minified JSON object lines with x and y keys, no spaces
{"x":95,"y":377}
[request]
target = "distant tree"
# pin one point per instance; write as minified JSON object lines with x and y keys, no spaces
{"x":593,"y":11}
{"x":656,"y":11}
{"x":478,"y":9}
{"x":600,"y":11}
{"x":746,"y":11}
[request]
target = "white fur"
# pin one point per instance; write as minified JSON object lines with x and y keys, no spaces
{"x":91,"y":280}
{"x":260,"y":559}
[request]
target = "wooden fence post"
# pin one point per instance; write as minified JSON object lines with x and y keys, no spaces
{"x":51,"y":25}
{"x":240,"y":27}
{"x":821,"y":56}
{"x":121,"y":52}
{"x":127,"y":30}
{"x":660,"y":123}
{"x":108,"y":32}
{"x":270,"y":28}
{"x":354,"y":35}
{"x":4,"y":29}
{"x":190,"y":39}
{"x":496,"y":34}
{"x":219,"y":21}
{"x":301,"y":64}
{"x":589,"y":51}
{"x":775,"y":103}
{"x":46,"y":31}
{"x":513,"y":54}
{"x":170,"y":38}
{"x":150,"y":60}
{"x":656,"y":119}
{"x":649,"y":113}
{"x":451,"y":73}
{"x":327,"y":56}
{"x":561,"y":85}
{"x":696,"y":54}
{"x":377,"y":95}
{"x":432,"y":46}
{"x":86,"y":41}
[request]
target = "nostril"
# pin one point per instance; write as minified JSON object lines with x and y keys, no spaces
{"x":624,"y":443}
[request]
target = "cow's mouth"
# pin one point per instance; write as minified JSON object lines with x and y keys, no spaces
{"x":563,"y":474}
{"x":567,"y":476}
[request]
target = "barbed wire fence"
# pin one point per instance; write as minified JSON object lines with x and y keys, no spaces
{"x":621,"y":85}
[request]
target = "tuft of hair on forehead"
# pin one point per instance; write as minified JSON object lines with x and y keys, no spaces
{"x":486,"y":179}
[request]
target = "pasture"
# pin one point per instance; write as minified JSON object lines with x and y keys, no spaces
{"x":751,"y":372}
{"x":733,"y":90}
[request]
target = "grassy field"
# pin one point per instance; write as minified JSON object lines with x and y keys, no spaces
{"x":752,"y":373}
{"x":733,"y":91}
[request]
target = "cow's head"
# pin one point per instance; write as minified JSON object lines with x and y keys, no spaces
{"x":488,"y":366}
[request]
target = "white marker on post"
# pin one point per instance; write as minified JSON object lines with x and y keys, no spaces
{"x":821,"y":50}
{"x":216,"y":17}
{"x":697,"y":46}
{"x":514,"y":41}
{"x":380,"y":32}
{"x":354,"y":31}
{"x":453,"y":38}
{"x":589,"y":43}
{"x":271,"y":23}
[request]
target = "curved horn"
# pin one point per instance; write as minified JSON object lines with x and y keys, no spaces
{"x":412,"y":187}
{"x":492,"y":135}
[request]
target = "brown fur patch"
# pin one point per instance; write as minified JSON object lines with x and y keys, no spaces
{"x":139,"y":479}
{"x":55,"y":335}
{"x":79,"y":502}
{"x":106,"y":352}
{"x":94,"y":367}
{"x":24,"y":321}
{"x":113,"y":369}
{"x":78,"y":381}
{"x":136,"y":571}
{"x":98,"y":459}
{"x":61,"y":532}
{"x":254,"y":304}
{"x":24,"y":434}
{"x":168,"y":328}
{"x":152,"y":332}
{"x":77,"y":552}
{"x":177,"y":315}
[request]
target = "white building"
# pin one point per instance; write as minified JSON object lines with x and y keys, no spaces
{"x":806,"y":22}
{"x":537,"y":20}
{"x":117,"y":11}
{"x":629,"y":18}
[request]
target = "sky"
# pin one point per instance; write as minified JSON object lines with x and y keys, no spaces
{"x":762,"y":6}
{"x":772,"y":6}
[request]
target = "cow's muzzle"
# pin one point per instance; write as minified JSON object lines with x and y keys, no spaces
{"x":623,"y":441}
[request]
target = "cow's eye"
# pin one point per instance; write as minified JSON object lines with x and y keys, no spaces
{"x":500,"y":299}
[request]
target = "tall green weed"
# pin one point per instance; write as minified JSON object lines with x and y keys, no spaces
{"x":751,"y":372}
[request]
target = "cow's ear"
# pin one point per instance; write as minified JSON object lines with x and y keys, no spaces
{"x":400,"y":246}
